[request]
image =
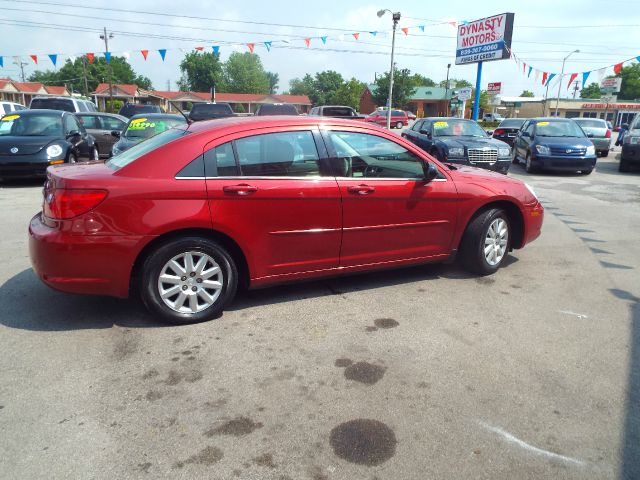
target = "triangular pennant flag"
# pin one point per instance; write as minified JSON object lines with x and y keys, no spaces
{"x":144,"y":53}
{"x":72,"y":58}
{"x":638,"y":58}
{"x":91,"y":57}
{"x":324,"y":40}
{"x":524,"y":66}
{"x":268,"y":45}
{"x":405,"y":30}
{"x":453,"y":24}
{"x":544,"y":78}
{"x":551,"y":75}
{"x":126,"y":55}
{"x":34,"y":58}
{"x":421,"y":27}
{"x":617,"y":68}
{"x":535,"y":77}
{"x":163,"y":53}
{"x":1,"y":62}
{"x":585,"y":75}
{"x":571,"y":79}
{"x":107,"y":56}
{"x":251,"y":47}
{"x":529,"y":74}
{"x":356,"y":35}
{"x":199,"y":49}
{"x":374,"y":33}
{"x":53,"y":57}
{"x":216,"y":50}
{"x":307,"y":42}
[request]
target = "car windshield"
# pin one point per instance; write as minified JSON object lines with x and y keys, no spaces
{"x":135,"y":152}
{"x":592,"y":123}
{"x":148,"y":127}
{"x":31,"y":125}
{"x":512,"y":123}
{"x":553,"y":128}
{"x":452,"y":127}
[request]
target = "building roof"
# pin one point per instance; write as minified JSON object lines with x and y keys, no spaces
{"x":424,"y":93}
{"x":54,"y":90}
{"x":129,"y":89}
{"x":235,"y":97}
{"x":29,"y":87}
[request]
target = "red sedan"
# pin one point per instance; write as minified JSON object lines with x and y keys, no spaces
{"x":188,"y":215}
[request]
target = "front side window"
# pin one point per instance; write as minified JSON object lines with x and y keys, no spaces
{"x":364,"y":155}
{"x":71,"y":124}
{"x":288,"y":154}
{"x":417,"y":126}
{"x":90,"y":121}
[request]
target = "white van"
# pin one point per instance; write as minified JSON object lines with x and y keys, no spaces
{"x":8,"y":107}
{"x":68,"y":104}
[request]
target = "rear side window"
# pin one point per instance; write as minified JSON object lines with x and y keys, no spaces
{"x":220,"y":161}
{"x":142,"y":148}
{"x":111,"y":123}
{"x":82,"y":106}
{"x":287,"y":154}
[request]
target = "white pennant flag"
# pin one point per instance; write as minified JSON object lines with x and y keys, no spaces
{"x":126,"y":55}
{"x":601,"y":74}
{"x":72,"y":58}
{"x":535,"y":77}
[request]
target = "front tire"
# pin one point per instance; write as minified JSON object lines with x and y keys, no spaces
{"x":514,"y":156}
{"x":95,"y":155}
{"x":188,"y":280}
{"x":399,"y":125}
{"x":72,"y":158}
{"x":528,"y":166}
{"x":486,"y":242}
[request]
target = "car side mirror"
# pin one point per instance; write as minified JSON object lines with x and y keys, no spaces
{"x":425,"y":132}
{"x":116,"y":133}
{"x":489,"y":132}
{"x":73,"y":133}
{"x":431,"y":172}
{"x":590,"y":135}
{"x":525,"y":134}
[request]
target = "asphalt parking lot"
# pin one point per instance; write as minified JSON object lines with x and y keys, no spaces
{"x":433,"y":373}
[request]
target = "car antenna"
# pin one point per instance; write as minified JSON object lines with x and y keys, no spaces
{"x":181,"y":112}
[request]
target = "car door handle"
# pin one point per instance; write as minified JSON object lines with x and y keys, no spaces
{"x":242,"y":189}
{"x":361,"y":189}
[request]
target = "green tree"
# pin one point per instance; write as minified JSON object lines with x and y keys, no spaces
{"x":200,"y":72}
{"x":72,"y":74}
{"x":274,"y":78}
{"x":591,"y":91}
{"x":458,"y":82}
{"x":422,"y":81}
{"x":527,"y":93}
{"x":403,"y":88}
{"x":326,"y":84}
{"x":630,"y":89}
{"x":244,"y":73}
{"x":349,"y":94}
{"x":302,"y":86}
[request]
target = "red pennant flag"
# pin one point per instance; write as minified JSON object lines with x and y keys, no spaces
{"x":200,"y":49}
{"x":307,"y":42}
{"x":544,"y":78}
{"x":616,"y":68}
{"x":91,"y":57}
{"x":524,"y":66}
{"x":405,"y":30}
{"x":356,"y":35}
{"x":453,"y":24}
{"x":571,"y":79}
{"x":251,"y":46}
{"x":34,"y":58}
{"x":144,"y":53}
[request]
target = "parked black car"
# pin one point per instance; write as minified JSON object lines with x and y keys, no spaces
{"x":141,"y":127}
{"x":508,"y":129}
{"x":100,"y":125}
{"x":631,"y":146}
{"x":554,"y":144}
{"x":209,"y":111}
{"x":130,"y":109}
{"x":277,"y":109}
{"x":31,"y":140}
{"x":456,"y":140}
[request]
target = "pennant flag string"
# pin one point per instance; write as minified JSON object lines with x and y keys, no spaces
{"x":324,"y":40}
{"x":585,"y":75}
{"x":144,"y":53}
{"x":216,"y":50}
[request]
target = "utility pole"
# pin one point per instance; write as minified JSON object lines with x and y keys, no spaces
{"x":84,"y":74}
{"x":575,"y":89}
{"x":106,"y":38}
{"x":396,"y":18}
{"x":21,"y":64}
{"x":446,"y":90}
{"x":168,"y":85}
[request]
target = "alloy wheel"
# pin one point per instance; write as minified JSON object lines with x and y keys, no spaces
{"x":495,"y":242}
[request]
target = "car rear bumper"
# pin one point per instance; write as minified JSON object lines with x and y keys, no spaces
{"x":506,"y":139}
{"x":564,"y":163}
{"x":631,"y":153}
{"x":601,"y":144}
{"x":98,"y":265}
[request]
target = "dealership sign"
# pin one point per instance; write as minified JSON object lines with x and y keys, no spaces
{"x":485,"y":39}
{"x":610,"y":85}
{"x":494,"y":88}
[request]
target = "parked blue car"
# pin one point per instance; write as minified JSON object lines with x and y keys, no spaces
{"x":554,"y":144}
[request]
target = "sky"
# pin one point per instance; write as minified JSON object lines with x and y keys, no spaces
{"x":544,"y":32}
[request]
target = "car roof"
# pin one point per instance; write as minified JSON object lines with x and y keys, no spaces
{"x":551,"y":119}
{"x":156,"y":115}
{"x":448,"y":118}
{"x":101,"y":114}
{"x":41,"y":111}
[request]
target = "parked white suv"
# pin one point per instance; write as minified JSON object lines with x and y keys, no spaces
{"x":492,"y":117}
{"x":68,"y":104}
{"x":8,"y":107}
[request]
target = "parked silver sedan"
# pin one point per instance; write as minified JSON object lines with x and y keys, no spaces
{"x":599,"y":133}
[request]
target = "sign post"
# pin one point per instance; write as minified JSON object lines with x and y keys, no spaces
{"x":464,"y":94}
{"x":476,"y":99}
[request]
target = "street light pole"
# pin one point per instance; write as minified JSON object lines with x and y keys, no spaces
{"x":446,"y":89}
{"x":396,"y":19}
{"x":561,"y":77}
{"x":106,"y":38}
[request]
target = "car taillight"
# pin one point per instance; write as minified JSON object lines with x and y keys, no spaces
{"x":608,"y":134}
{"x":62,"y":204}
{"x":499,"y":131}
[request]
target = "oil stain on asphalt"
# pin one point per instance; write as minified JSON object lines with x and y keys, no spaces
{"x":207,"y":456}
{"x":364,"y":372}
{"x":363,"y":441}
{"x":385,"y":323}
{"x":237,"y":427}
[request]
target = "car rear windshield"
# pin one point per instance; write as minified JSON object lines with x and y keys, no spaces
{"x":277,"y":110}
{"x":142,"y":148}
{"x":588,"y":123}
{"x":130,"y":110}
{"x":452,"y":127}
{"x":53,"y":104}
{"x":512,"y":123}
{"x":552,"y":128}
{"x":337,"y":112}
{"x":31,"y":125}
{"x":149,"y":127}
{"x":205,"y":111}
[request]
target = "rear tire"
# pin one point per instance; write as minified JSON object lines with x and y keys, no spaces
{"x":586,"y":172}
{"x":95,"y":155}
{"x":605,"y":153}
{"x":529,"y":164}
{"x":71,"y":158}
{"x":486,"y":242}
{"x":188,"y":280}
{"x":399,"y":125}
{"x":514,"y":157}
{"x":624,"y":166}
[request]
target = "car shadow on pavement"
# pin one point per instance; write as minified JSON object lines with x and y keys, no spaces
{"x":630,"y":468}
{"x":23,"y":183}
{"x":27,"y":304}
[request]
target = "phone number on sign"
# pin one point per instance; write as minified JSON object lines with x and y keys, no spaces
{"x":481,"y":49}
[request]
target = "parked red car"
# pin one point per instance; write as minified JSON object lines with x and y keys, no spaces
{"x":186,"y":216}
{"x":399,"y":118}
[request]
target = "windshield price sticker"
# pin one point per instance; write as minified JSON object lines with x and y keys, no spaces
{"x":10,"y":117}
{"x":543,"y":124}
{"x":440,"y":125}
{"x":141,"y":125}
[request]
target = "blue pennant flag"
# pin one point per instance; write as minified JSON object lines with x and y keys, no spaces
{"x":585,"y":75}
{"x":324,"y":40}
{"x":216,"y":50}
{"x":373,"y":33}
{"x":421,"y":27}
{"x":107,"y":56}
{"x":638,"y":58}
{"x":54,"y":58}
{"x":551,"y":75}
{"x":1,"y":62}
{"x":529,"y":74}
{"x":163,"y":53}
{"x":268,"y":45}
